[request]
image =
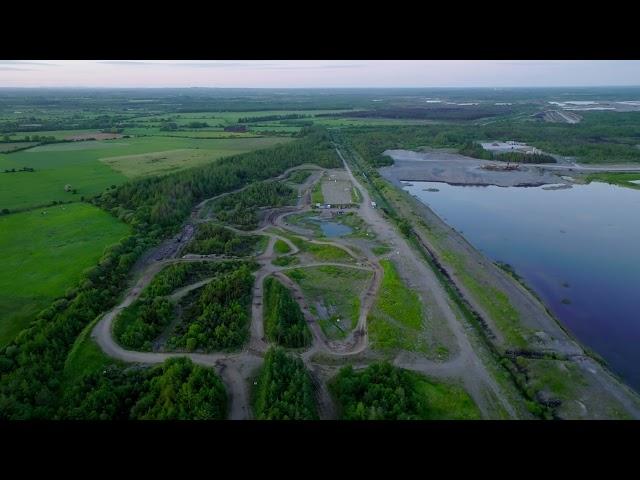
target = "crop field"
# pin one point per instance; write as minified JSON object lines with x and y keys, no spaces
{"x":87,"y":166}
{"x":333,"y":294}
{"x":44,"y":254}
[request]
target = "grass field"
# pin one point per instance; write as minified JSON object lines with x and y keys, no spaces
{"x":168,"y":161}
{"x":621,"y":179}
{"x":316,"y":193}
{"x":396,"y":319}
{"x":87,"y":166}
{"x":333,"y":294}
{"x":85,"y":357}
{"x":492,"y":300}
{"x":445,"y":401}
{"x":44,"y":255}
{"x":281,"y":247}
{"x":323,"y":253}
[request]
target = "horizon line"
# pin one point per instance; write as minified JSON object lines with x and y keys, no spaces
{"x":312,"y":88}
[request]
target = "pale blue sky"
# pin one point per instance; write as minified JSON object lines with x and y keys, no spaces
{"x":317,"y":73}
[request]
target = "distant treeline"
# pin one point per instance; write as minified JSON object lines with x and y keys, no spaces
{"x":423,"y":113}
{"x":214,"y":239}
{"x":600,"y":138}
{"x":31,"y":365}
{"x":270,"y":118}
{"x":475,"y":150}
{"x":37,"y":124}
{"x":160,"y":204}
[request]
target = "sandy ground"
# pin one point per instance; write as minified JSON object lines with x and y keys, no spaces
{"x":460,"y":170}
{"x":336,"y":188}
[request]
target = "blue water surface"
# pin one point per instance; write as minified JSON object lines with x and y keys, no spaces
{"x":578,"y":248}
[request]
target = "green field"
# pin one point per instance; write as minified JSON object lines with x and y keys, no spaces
{"x":155,"y":163}
{"x":493,"y":301}
{"x":90,"y":167}
{"x":396,"y":319}
{"x":281,"y":247}
{"x":615,"y":178}
{"x":333,"y":294}
{"x":85,"y":357}
{"x":322,"y":252}
{"x":44,"y":254}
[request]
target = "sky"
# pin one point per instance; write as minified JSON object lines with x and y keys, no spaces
{"x":317,"y":73}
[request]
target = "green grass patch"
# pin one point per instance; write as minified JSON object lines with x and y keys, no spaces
{"x":281,"y":247}
{"x":356,"y":196}
{"x":396,"y":319}
{"x":323,"y":253}
{"x":45,"y":254}
{"x":316,"y":193}
{"x":285,"y":261}
{"x":381,"y":250}
{"x":493,"y":301}
{"x":621,"y":179}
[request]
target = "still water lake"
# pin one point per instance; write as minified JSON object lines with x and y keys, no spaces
{"x":578,"y":248}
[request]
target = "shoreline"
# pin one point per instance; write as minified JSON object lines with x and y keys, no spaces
{"x":582,"y":354}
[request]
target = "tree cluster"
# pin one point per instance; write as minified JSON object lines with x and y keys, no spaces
{"x":271,"y":118}
{"x":284,"y":390}
{"x":141,"y":322}
{"x":219,"y":318}
{"x":175,"y":390}
{"x":214,"y":239}
{"x":159,"y":204}
{"x":240,"y":208}
{"x":379,"y":392}
{"x":284,"y":322}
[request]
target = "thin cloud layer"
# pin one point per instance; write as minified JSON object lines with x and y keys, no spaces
{"x":316,"y":73}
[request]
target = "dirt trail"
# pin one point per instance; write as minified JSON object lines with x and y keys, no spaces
{"x":236,"y":368}
{"x":467,"y":365}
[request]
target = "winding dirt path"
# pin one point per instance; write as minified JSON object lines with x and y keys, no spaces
{"x":237,"y":368}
